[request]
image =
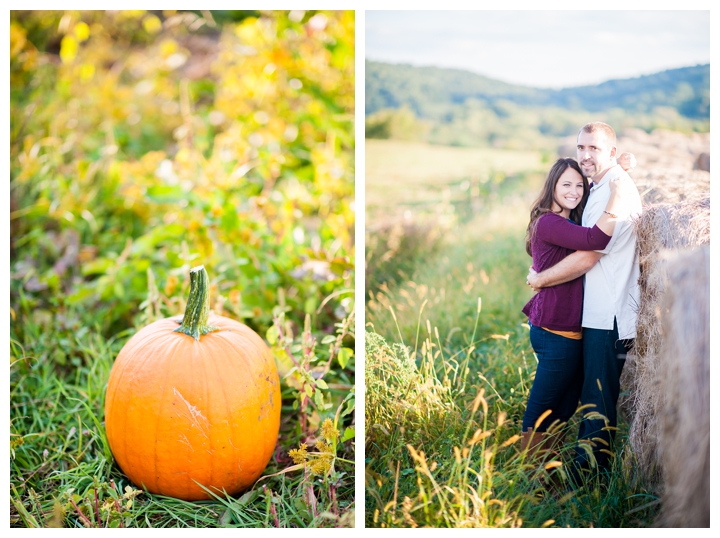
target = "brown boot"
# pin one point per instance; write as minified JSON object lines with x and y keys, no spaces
{"x":539,"y":444}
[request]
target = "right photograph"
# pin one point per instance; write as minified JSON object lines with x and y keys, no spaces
{"x":537,"y":252}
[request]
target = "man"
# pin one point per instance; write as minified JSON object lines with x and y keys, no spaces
{"x":611,"y":295}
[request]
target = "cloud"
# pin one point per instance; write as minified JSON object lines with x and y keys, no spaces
{"x":542,"y":48}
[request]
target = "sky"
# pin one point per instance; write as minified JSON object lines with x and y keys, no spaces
{"x":543,"y":49}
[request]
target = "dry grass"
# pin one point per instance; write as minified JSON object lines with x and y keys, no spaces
{"x":661,"y":228}
{"x":684,"y":383}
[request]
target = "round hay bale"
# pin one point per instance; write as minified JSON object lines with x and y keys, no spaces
{"x":669,"y":168}
{"x":672,"y":185}
{"x":660,"y":228}
{"x":684,"y":384}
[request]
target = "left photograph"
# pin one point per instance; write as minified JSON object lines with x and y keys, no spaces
{"x":182,"y":269}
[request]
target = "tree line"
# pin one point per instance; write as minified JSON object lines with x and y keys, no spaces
{"x":456,"y":107}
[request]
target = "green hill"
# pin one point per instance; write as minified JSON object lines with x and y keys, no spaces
{"x":452,"y":106}
{"x":425,"y":89}
{"x":686,"y":89}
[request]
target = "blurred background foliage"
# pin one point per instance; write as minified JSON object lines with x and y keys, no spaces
{"x":146,"y":142}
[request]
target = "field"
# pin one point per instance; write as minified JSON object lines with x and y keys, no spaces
{"x":414,"y":176}
{"x":448,"y":359}
{"x":144,"y":144}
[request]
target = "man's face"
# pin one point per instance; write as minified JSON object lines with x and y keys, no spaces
{"x":594,"y":153}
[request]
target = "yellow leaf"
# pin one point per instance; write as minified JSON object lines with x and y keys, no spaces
{"x":68,"y":49}
{"x":81,"y":31}
{"x":17,"y":39}
{"x":87,"y":71}
{"x":152,"y":24}
{"x":168,"y":47}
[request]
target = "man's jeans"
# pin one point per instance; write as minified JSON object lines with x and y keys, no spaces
{"x":558,"y":378}
{"x":603,"y":360}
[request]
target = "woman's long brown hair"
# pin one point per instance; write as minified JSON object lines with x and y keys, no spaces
{"x":544,"y":202}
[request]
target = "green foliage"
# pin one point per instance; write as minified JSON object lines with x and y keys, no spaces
{"x":400,"y":124}
{"x":465,"y":109}
{"x":145,"y":143}
{"x":266,"y":206}
{"x":401,"y":393}
{"x":427,"y":90}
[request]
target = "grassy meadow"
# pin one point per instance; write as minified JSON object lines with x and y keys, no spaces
{"x":449,"y":364}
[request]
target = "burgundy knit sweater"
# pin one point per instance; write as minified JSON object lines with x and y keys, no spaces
{"x":560,"y":308}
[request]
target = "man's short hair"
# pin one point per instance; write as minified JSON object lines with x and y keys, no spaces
{"x":598,"y":126}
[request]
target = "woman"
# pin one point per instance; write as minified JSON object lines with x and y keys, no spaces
{"x":554,"y":314}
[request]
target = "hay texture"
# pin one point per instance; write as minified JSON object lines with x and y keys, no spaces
{"x":684,"y":384}
{"x":671,"y":186}
{"x":667,"y":170}
{"x":661,"y":229}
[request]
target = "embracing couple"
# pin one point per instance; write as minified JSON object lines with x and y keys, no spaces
{"x":581,"y":329}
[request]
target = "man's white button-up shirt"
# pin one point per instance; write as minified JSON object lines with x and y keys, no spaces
{"x":611,"y":286}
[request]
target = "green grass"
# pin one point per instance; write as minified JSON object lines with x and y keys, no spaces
{"x":62,"y":470}
{"x":449,"y":368}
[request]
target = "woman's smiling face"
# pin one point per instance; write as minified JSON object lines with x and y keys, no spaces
{"x":568,"y":192}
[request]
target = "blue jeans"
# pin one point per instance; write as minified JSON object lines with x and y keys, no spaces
{"x":604,"y":357}
{"x":558,"y":378}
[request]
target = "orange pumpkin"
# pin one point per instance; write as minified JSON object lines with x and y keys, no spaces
{"x":194,"y":404}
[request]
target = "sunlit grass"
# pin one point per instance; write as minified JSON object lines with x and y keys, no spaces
{"x":442,"y":442}
{"x":407,"y":173}
{"x":63,"y":473}
{"x":449,"y":368}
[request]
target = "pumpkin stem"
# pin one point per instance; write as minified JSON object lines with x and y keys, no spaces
{"x":194,"y":322}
